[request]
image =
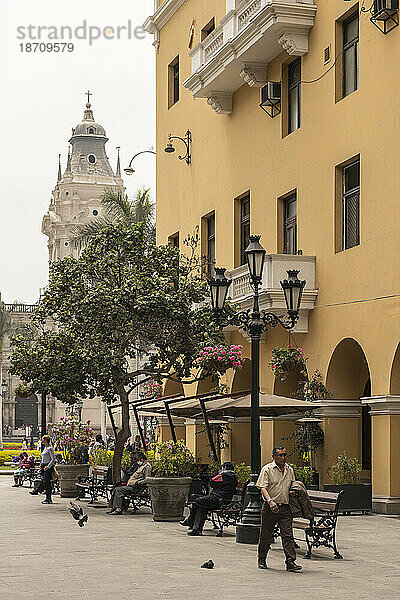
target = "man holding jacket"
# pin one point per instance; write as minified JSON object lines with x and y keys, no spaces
{"x":275,"y":481}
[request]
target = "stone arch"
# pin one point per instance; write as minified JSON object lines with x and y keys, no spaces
{"x":172,"y":388}
{"x":348,"y":378}
{"x":348,"y":371}
{"x":242,"y":378}
{"x":394,"y":387}
{"x":206,"y":385}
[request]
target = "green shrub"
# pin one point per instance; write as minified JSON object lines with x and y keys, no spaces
{"x":303,"y":473}
{"x":345,"y":470}
{"x":242,"y":472}
{"x":172,"y":460}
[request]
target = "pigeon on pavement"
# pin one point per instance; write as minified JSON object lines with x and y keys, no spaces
{"x":78,"y":514}
{"x":208,"y":565}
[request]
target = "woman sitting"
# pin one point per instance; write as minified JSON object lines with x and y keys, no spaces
{"x":23,"y":464}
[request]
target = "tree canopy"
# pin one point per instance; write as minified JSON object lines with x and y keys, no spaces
{"x":123,"y":295}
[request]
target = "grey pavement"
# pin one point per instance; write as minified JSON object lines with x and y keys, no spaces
{"x":45,"y":555}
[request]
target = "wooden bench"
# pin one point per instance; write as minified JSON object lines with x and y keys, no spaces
{"x":322,"y":530}
{"x":230,"y":511}
{"x":96,"y":485}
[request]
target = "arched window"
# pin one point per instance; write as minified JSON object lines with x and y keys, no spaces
{"x":91,"y":130}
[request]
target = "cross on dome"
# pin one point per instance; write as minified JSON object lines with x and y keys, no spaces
{"x":89,"y":93}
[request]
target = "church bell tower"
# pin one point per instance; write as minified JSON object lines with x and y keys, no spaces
{"x":75,"y":198}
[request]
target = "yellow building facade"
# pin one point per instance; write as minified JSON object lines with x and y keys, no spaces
{"x":317,"y":178}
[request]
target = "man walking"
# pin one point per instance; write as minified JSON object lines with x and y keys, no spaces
{"x":274,"y":482}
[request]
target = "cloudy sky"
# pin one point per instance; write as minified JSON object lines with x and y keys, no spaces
{"x":43,"y":97}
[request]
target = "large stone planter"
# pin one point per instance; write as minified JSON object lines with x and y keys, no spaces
{"x":68,"y":476}
{"x":168,"y":497}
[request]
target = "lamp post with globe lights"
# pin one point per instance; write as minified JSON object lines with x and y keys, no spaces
{"x":255,"y":323}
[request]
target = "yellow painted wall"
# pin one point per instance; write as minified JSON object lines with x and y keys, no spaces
{"x":386,"y":452}
{"x":246,"y":151}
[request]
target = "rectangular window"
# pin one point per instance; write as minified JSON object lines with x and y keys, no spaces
{"x":173,"y":82}
{"x":290,"y":224}
{"x":294,"y":95}
{"x":209,"y":28}
{"x":210,"y":244}
{"x":174,"y":240}
{"x":244,"y":227}
{"x":351,"y":205}
{"x":350,"y":29}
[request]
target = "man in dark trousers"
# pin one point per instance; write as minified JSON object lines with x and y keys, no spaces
{"x":274,"y":482}
{"x":223,"y":487}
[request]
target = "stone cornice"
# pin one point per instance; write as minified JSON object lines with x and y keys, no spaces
{"x":383,"y":405}
{"x":333,"y":407}
{"x":163,"y":14}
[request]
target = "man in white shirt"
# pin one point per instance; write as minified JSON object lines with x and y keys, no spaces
{"x":274,"y":482}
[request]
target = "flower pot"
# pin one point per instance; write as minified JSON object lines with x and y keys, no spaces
{"x":168,"y":497}
{"x":68,"y":476}
{"x":356,"y":496}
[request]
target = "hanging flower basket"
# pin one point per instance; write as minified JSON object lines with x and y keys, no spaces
{"x":286,"y":359}
{"x":220,"y":359}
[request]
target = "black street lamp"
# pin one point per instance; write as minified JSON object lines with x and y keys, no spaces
{"x":255,"y":322}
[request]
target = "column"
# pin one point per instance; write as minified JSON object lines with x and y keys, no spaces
{"x":385,"y":417}
{"x":197,"y":440}
{"x":163,"y":431}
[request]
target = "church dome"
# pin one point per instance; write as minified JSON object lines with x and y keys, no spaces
{"x":88,"y":125}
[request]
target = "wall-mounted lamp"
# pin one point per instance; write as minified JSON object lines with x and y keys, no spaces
{"x":187,"y":140}
{"x":384,"y":14}
{"x":129,"y":169}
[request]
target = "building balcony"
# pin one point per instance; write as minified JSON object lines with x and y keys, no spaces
{"x":271,"y":293}
{"x":238,"y":51}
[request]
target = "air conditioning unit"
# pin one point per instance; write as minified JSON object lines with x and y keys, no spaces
{"x":271,"y":93}
{"x":384,"y":9}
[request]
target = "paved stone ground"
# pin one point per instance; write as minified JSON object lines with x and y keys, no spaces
{"x":45,"y":555}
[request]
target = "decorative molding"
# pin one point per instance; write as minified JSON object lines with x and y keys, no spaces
{"x":220,"y":102}
{"x":254,"y":74}
{"x":162,"y":15}
{"x":251,"y":30}
{"x":383,"y":405}
{"x":295,"y":43}
{"x":333,"y":407}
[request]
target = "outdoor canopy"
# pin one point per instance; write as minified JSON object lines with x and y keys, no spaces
{"x":270,"y":406}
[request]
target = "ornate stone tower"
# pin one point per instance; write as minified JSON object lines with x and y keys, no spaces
{"x":75,"y":198}
{"x":74,"y":202}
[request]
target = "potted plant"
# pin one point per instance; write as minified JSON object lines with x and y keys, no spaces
{"x":288,"y":358}
{"x":71,"y":439}
{"x":345,"y":475}
{"x":173,"y":466}
{"x":152,"y":389}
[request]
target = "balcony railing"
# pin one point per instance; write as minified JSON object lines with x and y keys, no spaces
{"x":251,"y":34}
{"x":20,"y":308}
{"x":271,"y":293}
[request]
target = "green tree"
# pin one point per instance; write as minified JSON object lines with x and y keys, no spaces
{"x":123,"y":295}
{"x":120,"y":209}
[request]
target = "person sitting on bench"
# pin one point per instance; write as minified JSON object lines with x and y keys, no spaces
{"x":136,"y":483}
{"x":223,"y":487}
{"x":23,"y":464}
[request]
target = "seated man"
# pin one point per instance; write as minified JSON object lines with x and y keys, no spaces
{"x":223,"y":487}
{"x":135,"y":484}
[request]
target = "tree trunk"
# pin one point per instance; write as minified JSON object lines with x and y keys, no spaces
{"x":122,"y":436}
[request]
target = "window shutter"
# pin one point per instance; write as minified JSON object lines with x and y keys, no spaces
{"x":352,"y":220}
